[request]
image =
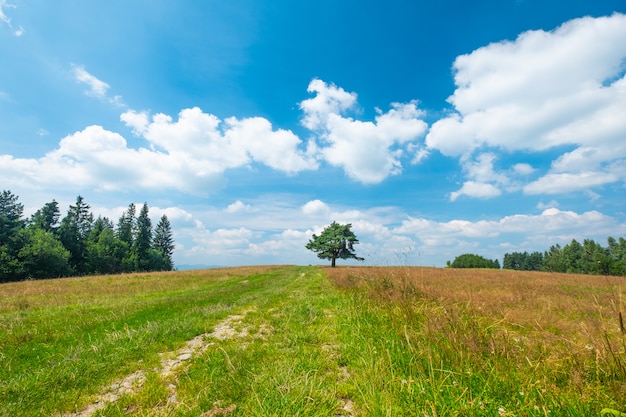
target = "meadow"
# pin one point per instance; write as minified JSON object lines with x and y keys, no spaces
{"x":314,"y":341}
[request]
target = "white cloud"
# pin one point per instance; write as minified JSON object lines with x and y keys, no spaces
{"x":369,"y":152}
{"x":277,"y":149}
{"x":551,"y":204}
{"x":565,"y":182}
{"x":190,"y":154}
{"x":523,"y":169}
{"x":484,"y":180}
{"x":542,"y":90}
{"x":329,"y":99}
{"x":97,"y":158}
{"x":97,"y":88}
{"x":221,"y":243}
{"x":476,"y":189}
{"x":4,"y":18}
{"x":238,"y":207}
{"x":207,"y":144}
{"x":173,"y":214}
{"x":547,"y":226}
{"x":315,"y":207}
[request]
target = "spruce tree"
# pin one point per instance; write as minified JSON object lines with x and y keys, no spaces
{"x":47,"y":217}
{"x":163,"y":242}
{"x":143,"y":239}
{"x":74,"y":230}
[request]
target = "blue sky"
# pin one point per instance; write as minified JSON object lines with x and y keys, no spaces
{"x":435,"y":128}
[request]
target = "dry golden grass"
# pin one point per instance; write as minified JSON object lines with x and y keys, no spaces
{"x":567,"y":328}
{"x":575,"y":306}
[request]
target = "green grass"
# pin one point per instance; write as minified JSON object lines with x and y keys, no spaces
{"x":364,"y":342}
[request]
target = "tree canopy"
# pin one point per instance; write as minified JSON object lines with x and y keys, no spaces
{"x":335,"y":241}
{"x":469,"y":260}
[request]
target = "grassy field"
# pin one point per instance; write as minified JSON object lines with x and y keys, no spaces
{"x":309,"y":341}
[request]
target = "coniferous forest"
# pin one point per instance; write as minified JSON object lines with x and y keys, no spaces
{"x":47,"y":245}
{"x":574,"y":258}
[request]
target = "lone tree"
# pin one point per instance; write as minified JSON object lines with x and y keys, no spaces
{"x":335,"y":241}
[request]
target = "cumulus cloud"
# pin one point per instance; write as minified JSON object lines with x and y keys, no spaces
{"x":476,"y":189}
{"x":329,"y":99}
{"x":315,"y":207}
{"x":369,"y":152}
{"x":190,"y":154}
{"x":208,"y":144}
{"x":98,"y":158}
{"x":542,"y":90}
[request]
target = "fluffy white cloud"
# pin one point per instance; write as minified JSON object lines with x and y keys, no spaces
{"x":190,"y":154}
{"x":315,"y":207}
{"x":544,"y":89}
{"x":476,"y":189}
{"x":208,"y":144}
{"x":329,"y":99}
{"x":97,"y":158}
{"x":368,"y":151}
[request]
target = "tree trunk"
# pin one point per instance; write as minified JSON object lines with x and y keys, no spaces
{"x":332,"y":262}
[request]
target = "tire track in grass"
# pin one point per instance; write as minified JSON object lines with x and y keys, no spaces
{"x":171,"y":363}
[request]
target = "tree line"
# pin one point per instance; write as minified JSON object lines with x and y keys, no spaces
{"x":48,"y":246}
{"x":574,"y":258}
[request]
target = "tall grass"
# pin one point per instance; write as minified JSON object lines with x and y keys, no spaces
{"x":480,"y":342}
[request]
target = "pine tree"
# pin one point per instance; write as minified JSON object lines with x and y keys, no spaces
{"x":143,"y":239}
{"x":126,"y":230}
{"x":47,"y":217}
{"x":10,"y":215}
{"x":163,"y":242}
{"x":127,"y":225}
{"x":74,"y":230}
{"x":11,"y":223}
